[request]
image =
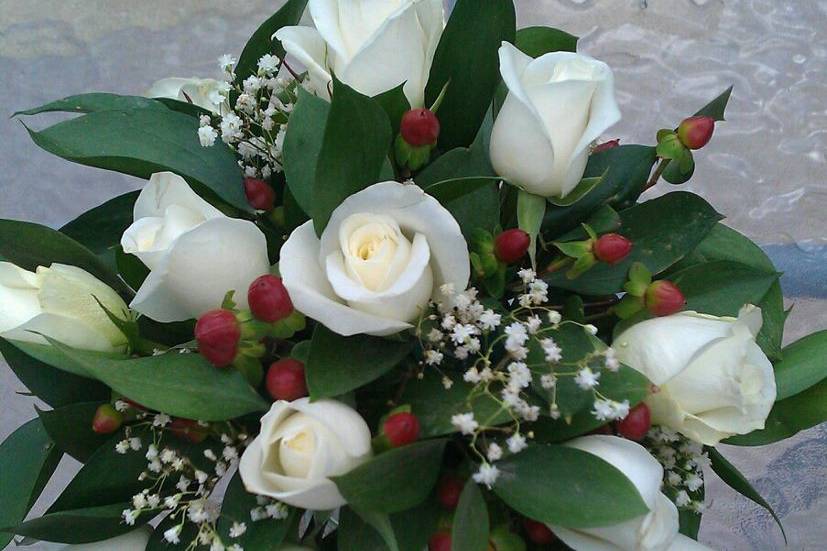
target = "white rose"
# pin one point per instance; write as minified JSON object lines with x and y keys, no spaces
{"x":300,"y":446}
{"x":657,"y":530}
{"x":194,"y":252}
{"x":713,"y":379}
{"x":135,"y":540}
{"x":203,"y":92}
{"x":557,"y":105}
{"x":371,"y":46}
{"x":385,"y":252}
{"x":59,"y":302}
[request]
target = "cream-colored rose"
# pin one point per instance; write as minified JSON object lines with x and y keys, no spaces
{"x":385,"y":252}
{"x":557,"y":105}
{"x":203,"y":92}
{"x":60,"y":302}
{"x":301,"y":445}
{"x":713,"y":380}
{"x":194,"y":252}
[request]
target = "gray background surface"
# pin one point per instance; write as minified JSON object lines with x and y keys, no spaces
{"x":765,"y":168}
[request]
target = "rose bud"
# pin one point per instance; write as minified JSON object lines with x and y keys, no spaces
{"x":511,"y":245}
{"x":663,"y":298}
{"x":605,"y":146}
{"x":401,"y":429}
{"x":695,"y":132}
{"x":106,"y":420}
{"x":419,"y":127}
{"x":285,"y":380}
{"x":218,"y":334}
{"x":635,"y":425}
{"x":260,"y":194}
{"x":441,"y":541}
{"x":189,"y":430}
{"x":448,"y":491}
{"x":611,"y":248}
{"x":537,"y":532}
{"x":268,"y":299}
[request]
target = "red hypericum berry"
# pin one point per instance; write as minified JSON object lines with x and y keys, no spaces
{"x":663,"y":298}
{"x":259,"y":194}
{"x":538,"y":532}
{"x":419,"y":127}
{"x":106,"y":420}
{"x":268,"y":299}
{"x":695,"y":132}
{"x":401,"y":429}
{"x":441,"y":541}
{"x":285,"y":380}
{"x":448,"y":491}
{"x":188,"y":430}
{"x":611,"y":144}
{"x":218,"y":333}
{"x":511,"y":245}
{"x":635,"y":425}
{"x":611,"y":248}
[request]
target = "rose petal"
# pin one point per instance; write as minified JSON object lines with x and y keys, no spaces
{"x":307,"y":46}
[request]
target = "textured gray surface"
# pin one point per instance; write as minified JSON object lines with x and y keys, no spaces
{"x":765,"y":168}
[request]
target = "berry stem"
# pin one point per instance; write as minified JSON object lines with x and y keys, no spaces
{"x":657,"y":174}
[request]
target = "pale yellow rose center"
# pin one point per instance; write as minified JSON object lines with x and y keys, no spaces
{"x":374,"y":248}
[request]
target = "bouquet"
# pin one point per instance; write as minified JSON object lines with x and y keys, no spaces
{"x":387,"y":288}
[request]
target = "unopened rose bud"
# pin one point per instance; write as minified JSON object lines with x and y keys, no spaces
{"x":419,"y":127}
{"x":663,"y":298}
{"x":268,"y":299}
{"x":188,"y":430}
{"x":259,"y":194}
{"x":635,"y":425}
{"x":612,"y":248}
{"x":441,"y":541}
{"x":448,"y":491}
{"x":511,"y":245}
{"x":286,"y":380}
{"x":605,"y":146}
{"x":537,"y":532}
{"x":107,"y":419}
{"x":401,"y":429}
{"x":218,"y":334}
{"x":695,"y":132}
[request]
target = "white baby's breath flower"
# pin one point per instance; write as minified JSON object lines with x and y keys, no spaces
{"x":553,"y":352}
{"x":207,"y":136}
{"x":516,"y":443}
{"x":527,"y":275}
{"x":489,"y":320}
{"x":172,"y":535}
{"x":548,"y":381}
{"x":494,"y":453}
{"x":487,"y":474}
{"x":587,"y":379}
{"x":433,"y":357}
{"x":237,"y":529}
{"x":590,"y":329}
{"x":465,"y":423}
{"x":554,"y":317}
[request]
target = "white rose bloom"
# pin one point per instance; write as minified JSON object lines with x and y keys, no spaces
{"x":713,"y":379}
{"x":557,"y":105}
{"x":135,"y":540}
{"x":369,"y":45}
{"x":203,"y":92}
{"x":59,"y":302}
{"x":194,"y":252}
{"x":386,"y":250}
{"x":657,"y":530}
{"x":300,"y":446}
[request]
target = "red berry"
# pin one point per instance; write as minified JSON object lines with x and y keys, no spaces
{"x":419,"y":127}
{"x":401,"y":429}
{"x":635,"y":425}
{"x":663,"y":298}
{"x":259,"y":194}
{"x":106,"y":420}
{"x":285,"y":380}
{"x":611,"y":144}
{"x":538,"y":532}
{"x":218,"y":333}
{"x":611,"y":248}
{"x":268,"y":299}
{"x":695,"y":132}
{"x":187,"y":429}
{"x":448,"y":491}
{"x":441,"y":541}
{"x":511,"y":245}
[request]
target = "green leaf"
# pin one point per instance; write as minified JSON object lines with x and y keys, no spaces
{"x":722,"y":287}
{"x":680,"y":170}
{"x":689,"y":523}
{"x":804,"y":364}
{"x":395,"y":104}
{"x":141,"y":142}
{"x":457,"y":188}
{"x":185,"y":107}
{"x":536,"y":41}
{"x":530,"y":211}
{"x":738,"y":482}
{"x":347,"y":165}
{"x":27,"y":460}
{"x":462,"y":162}
{"x":373,"y":533}
{"x":157,"y":541}
{"x":29,"y":245}
{"x":582,"y":189}
{"x":262,"y":42}
{"x":470,"y":527}
{"x":415,"y":526}
{"x":466,"y":59}
{"x":302,"y":145}
{"x":395,"y":480}
{"x":604,"y":220}
{"x":716,"y":107}
{"x":54,"y":386}
{"x":662,"y":231}
{"x":96,"y":101}
{"x":236,"y":507}
{"x":340,"y":364}
{"x":596,"y":493}
{"x":70,"y":428}
{"x":83,"y":525}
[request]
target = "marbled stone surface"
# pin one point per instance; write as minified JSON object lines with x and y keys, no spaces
{"x":765,"y":168}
